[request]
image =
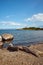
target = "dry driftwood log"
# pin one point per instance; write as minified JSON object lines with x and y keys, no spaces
{"x":33,"y":51}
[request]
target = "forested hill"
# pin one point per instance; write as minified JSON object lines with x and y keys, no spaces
{"x":31,"y":28}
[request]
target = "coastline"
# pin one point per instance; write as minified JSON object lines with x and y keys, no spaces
{"x":19,"y":54}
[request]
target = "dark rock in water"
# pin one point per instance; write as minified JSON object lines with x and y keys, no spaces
{"x":1,"y":45}
{"x":0,"y":38}
{"x":7,"y":37}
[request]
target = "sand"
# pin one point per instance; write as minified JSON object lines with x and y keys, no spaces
{"x":20,"y":57}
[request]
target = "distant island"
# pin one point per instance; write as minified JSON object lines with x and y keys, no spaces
{"x":31,"y":28}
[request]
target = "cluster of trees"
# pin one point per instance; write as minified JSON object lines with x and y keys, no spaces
{"x":32,"y":28}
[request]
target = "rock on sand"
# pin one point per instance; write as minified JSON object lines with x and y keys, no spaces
{"x":7,"y":36}
{"x":1,"y":45}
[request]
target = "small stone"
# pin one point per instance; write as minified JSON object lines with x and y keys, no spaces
{"x":12,"y":48}
{"x":1,"y":45}
{"x":11,"y":45}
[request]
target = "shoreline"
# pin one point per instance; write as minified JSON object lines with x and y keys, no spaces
{"x":28,"y":44}
{"x":19,"y":54}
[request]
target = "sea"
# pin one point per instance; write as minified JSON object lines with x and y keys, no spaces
{"x":25,"y":37}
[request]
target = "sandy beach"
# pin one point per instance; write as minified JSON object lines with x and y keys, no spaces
{"x":21,"y":57}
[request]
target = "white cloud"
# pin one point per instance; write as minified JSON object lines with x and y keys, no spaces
{"x":35,"y":17}
{"x":9,"y":23}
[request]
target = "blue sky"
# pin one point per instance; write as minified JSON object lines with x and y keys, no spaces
{"x":21,"y":13}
